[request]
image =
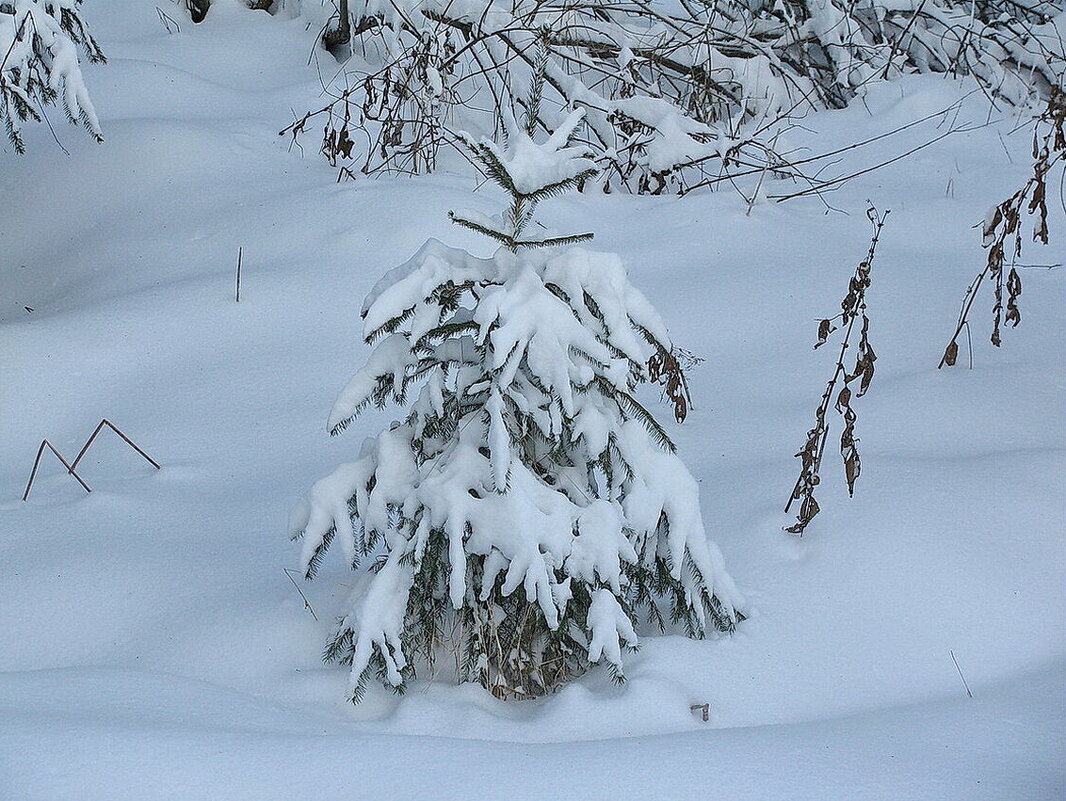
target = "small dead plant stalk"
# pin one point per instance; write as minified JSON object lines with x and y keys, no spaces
{"x":108,"y":424}
{"x":853,"y":310}
{"x":37,"y":463}
{"x":1003,"y":225}
{"x":72,"y":466}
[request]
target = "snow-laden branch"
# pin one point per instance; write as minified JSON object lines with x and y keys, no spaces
{"x":39,"y":43}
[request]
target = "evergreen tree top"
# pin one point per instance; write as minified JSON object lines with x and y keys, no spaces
{"x":529,"y":172}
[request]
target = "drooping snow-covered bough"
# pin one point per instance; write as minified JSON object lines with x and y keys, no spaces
{"x":39,"y":43}
{"x":528,"y":513}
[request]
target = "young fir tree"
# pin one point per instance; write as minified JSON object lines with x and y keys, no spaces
{"x":39,"y":41}
{"x":528,"y":511}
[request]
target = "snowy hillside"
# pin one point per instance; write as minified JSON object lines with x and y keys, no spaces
{"x":152,"y":645}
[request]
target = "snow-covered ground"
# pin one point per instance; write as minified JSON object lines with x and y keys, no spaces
{"x":151,"y":644}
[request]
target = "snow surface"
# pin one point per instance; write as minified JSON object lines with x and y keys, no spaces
{"x":151,"y":644}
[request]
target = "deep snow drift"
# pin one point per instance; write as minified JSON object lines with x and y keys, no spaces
{"x":151,"y":644}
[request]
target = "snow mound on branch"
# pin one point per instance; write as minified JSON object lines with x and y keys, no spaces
{"x":532,"y":166}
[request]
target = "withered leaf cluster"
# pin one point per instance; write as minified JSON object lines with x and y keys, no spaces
{"x":337,"y":143}
{"x":846,"y":383}
{"x":1005,"y":222}
{"x":664,"y":369}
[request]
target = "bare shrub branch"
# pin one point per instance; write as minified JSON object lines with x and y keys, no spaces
{"x":676,"y":97}
{"x":1002,"y":230}
{"x":853,"y":309}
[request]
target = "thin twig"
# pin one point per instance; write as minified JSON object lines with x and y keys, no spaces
{"x":307,"y":604}
{"x":240,"y":262}
{"x":964,"y":682}
{"x":127,"y":440}
{"x":167,"y":20}
{"x":37,"y":461}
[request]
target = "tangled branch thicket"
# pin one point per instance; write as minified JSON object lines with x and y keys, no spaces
{"x":673,"y":92}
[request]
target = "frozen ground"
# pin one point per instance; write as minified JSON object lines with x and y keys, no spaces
{"x":151,"y":646}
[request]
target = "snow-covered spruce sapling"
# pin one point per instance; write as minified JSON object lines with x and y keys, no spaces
{"x":527,"y":513}
{"x":39,"y":64}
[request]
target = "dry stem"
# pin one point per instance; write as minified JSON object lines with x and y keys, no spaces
{"x":853,"y":308}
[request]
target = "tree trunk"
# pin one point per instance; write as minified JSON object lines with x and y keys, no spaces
{"x":338,"y":39}
{"x":198,"y":9}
